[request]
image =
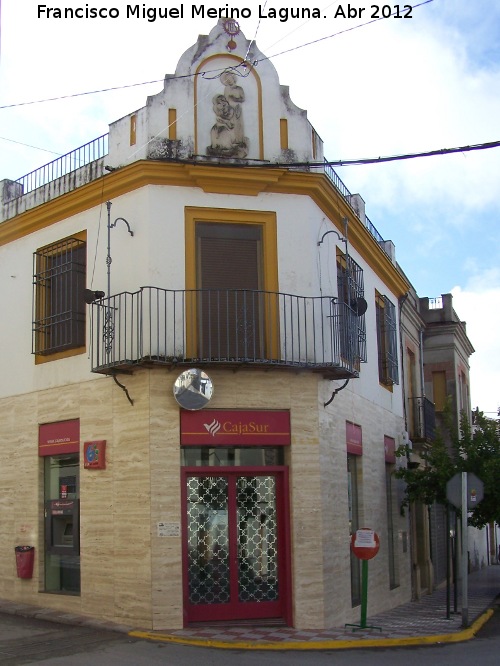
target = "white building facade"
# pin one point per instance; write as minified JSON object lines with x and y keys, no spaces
{"x":218,"y":250}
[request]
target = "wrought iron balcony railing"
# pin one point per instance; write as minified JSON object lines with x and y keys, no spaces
{"x":231,"y":327}
{"x":422,"y":419}
{"x":63,"y":165}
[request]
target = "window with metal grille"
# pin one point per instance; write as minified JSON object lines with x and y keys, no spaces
{"x":350,"y":288}
{"x":59,"y":275}
{"x":386,"y":340}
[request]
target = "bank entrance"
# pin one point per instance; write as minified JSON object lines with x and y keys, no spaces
{"x":235,"y":522}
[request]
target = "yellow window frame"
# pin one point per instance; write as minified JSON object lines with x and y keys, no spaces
{"x":266,"y":220}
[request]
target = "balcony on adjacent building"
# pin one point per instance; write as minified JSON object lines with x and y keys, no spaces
{"x":225,"y":328}
{"x":422,"y":419}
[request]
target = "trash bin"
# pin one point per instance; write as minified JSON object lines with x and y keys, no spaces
{"x":25,"y":557}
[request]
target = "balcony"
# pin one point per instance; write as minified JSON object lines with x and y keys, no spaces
{"x":224,"y":328}
{"x":422,"y":419}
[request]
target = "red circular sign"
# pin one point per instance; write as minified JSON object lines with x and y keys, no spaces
{"x":231,"y":27}
{"x":365,"y":543}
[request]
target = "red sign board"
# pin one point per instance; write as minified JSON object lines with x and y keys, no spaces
{"x":390,"y":449}
{"x":94,"y":455}
{"x":60,"y":437}
{"x":62,"y":507}
{"x":214,"y":427}
{"x":354,"y":438}
{"x":365,"y":543}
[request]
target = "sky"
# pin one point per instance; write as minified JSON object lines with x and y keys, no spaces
{"x":371,"y":88}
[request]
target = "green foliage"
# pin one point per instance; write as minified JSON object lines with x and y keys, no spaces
{"x":475,"y":450}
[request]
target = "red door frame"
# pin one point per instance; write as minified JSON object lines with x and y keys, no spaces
{"x":282,"y":608}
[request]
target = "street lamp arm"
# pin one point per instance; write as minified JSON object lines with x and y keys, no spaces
{"x":332,"y":231}
{"x":113,"y":224}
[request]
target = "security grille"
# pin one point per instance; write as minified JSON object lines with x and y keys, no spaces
{"x":257,"y":539}
{"x":59,"y":273}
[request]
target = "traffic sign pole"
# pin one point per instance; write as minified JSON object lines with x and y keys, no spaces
{"x":465,"y":491}
{"x":365,"y":545}
{"x":465,"y":563}
{"x":364,"y":593}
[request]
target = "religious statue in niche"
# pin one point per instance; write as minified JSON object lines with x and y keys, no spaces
{"x":227,"y":135}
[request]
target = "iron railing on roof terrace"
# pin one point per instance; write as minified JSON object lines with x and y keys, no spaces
{"x":97,"y":148}
{"x":231,"y":327}
{"x":338,"y":183}
{"x":422,"y":419}
{"x":336,"y":180}
{"x":90,"y":152}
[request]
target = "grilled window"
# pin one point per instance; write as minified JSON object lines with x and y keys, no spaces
{"x":350,"y":288}
{"x":59,"y":274}
{"x":386,"y":340}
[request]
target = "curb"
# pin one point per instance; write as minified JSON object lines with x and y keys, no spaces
{"x":457,"y":637}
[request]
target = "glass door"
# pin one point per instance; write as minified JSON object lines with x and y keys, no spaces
{"x":234,"y":546}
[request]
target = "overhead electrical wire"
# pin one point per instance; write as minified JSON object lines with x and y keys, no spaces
{"x":336,"y":34}
{"x":409,"y":156}
{"x":204,"y":73}
{"x":28,"y":145}
{"x":342,"y":163}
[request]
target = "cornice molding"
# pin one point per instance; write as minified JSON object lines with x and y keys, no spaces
{"x":213,"y":179}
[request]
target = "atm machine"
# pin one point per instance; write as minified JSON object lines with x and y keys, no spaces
{"x":62,"y":538}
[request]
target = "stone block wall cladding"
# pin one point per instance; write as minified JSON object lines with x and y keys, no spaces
{"x":129,"y":574}
{"x":375,"y":422}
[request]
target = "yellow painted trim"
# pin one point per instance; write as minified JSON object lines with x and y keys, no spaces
{"x":226,"y":180}
{"x":172,"y":124}
{"x":239,"y":60}
{"x":334,"y":644}
{"x":284,"y":133}
{"x":133,"y":129}
{"x":267,"y":221}
{"x":58,"y":355}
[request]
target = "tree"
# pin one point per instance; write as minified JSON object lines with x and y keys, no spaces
{"x":474,"y":449}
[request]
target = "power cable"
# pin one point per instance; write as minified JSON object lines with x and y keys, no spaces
{"x":366,"y":160}
{"x":187,"y":76}
{"x":336,"y":34}
{"x":28,"y":145}
{"x":253,"y":41}
{"x":409,"y":156}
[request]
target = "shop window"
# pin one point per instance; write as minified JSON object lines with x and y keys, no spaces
{"x":391,"y":536}
{"x":353,"y":462}
{"x":232,"y":456}
{"x":386,"y":340}
{"x":59,"y":278}
{"x":351,"y":291}
{"x":62,"y":547}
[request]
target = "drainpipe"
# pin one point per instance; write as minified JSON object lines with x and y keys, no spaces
{"x":421,"y":345}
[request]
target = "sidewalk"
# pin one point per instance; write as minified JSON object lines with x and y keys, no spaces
{"x":421,"y":622}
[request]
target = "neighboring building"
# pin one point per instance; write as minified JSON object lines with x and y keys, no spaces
{"x":437,"y":352}
{"x":269,"y":279}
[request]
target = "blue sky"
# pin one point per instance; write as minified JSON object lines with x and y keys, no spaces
{"x":390,"y":87}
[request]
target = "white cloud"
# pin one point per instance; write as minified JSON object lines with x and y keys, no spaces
{"x":478,"y":304}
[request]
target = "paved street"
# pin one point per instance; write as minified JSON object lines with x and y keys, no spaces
{"x":413,"y":633}
{"x":28,"y":641}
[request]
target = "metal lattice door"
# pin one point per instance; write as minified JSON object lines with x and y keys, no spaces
{"x":233,"y":544}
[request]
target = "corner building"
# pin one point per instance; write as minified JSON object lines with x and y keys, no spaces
{"x":271,"y":281}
